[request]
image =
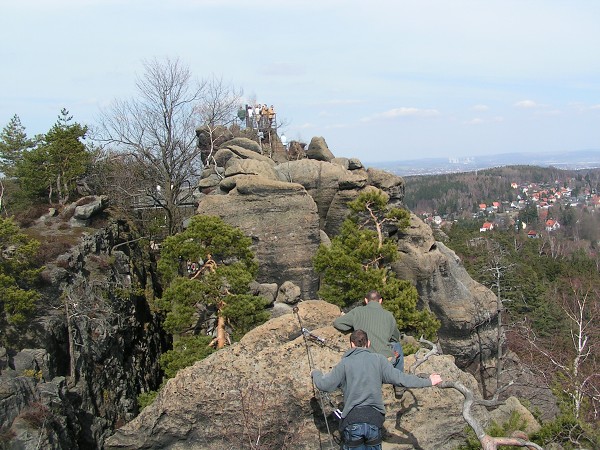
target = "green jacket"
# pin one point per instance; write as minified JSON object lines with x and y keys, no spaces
{"x":378,"y":323}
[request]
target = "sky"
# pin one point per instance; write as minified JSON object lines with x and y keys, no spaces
{"x":379,"y":80}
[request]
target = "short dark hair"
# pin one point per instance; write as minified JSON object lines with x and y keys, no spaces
{"x":359,"y":338}
{"x":373,"y":296}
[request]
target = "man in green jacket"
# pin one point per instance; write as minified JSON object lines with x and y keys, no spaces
{"x":379,"y":324}
{"x":360,"y":375}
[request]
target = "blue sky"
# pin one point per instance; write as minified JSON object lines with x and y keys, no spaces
{"x":379,"y":80}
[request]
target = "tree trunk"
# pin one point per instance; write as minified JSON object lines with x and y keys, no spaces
{"x":70,"y":339}
{"x":221,"y":333}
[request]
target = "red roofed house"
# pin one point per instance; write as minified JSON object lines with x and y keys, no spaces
{"x":487,"y":226}
{"x":552,"y":225}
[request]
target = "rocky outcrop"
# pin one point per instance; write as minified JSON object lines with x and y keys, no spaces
{"x":282,"y":221}
{"x":98,"y":344}
{"x":465,"y":308}
{"x":317,"y":149}
{"x":280,"y":218}
{"x":259,"y":389}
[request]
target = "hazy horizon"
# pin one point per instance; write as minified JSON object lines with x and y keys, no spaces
{"x":378,"y":80}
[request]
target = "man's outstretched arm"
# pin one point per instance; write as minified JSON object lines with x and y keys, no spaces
{"x":330,"y":381}
{"x":397,"y":378}
{"x":345,"y":322}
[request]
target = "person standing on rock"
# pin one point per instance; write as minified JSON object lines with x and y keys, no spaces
{"x":379,"y":324}
{"x":360,"y":374}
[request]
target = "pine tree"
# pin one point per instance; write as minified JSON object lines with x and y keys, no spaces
{"x":54,"y":166}
{"x":206,"y":271}
{"x":358,"y":260}
{"x":18,"y":273}
{"x":13,"y":142}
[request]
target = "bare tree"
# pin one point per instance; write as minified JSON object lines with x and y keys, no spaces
{"x":217,"y":110}
{"x":572,"y":361}
{"x":497,"y":268}
{"x":158,"y":130}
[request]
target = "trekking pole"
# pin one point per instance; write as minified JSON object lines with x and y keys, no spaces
{"x":312,"y":367}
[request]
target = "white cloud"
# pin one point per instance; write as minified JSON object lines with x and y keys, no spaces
{"x":551,"y":112}
{"x":480,"y":108}
{"x":526,"y":104}
{"x":581,"y":107}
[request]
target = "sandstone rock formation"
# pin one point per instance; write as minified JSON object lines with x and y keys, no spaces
{"x":317,"y":149}
{"x":465,"y":308}
{"x":290,"y":208}
{"x":283,"y":223}
{"x":260,"y":390}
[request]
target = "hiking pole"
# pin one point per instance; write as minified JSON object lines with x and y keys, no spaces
{"x":311,"y":365}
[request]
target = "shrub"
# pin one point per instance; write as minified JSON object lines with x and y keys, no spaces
{"x":36,"y":414}
{"x":53,"y":247}
{"x":146,"y":398}
{"x":27,"y":216}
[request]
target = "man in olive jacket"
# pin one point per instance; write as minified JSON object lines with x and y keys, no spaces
{"x":379,"y":324}
{"x":360,"y":374}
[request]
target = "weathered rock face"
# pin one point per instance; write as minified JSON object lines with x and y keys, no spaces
{"x":98,"y":346}
{"x":317,"y":149}
{"x":282,"y":221}
{"x":280,"y":218}
{"x":320,"y":179}
{"x":260,"y":390}
{"x":465,"y":308}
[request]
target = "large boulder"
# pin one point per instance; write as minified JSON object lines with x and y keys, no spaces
{"x":282,"y":221}
{"x":246,"y":143}
{"x":238,"y":166}
{"x":317,"y":149}
{"x":260,"y":390}
{"x":212,"y":137}
{"x":249,"y":154}
{"x":91,"y":206}
{"x":392,"y":184}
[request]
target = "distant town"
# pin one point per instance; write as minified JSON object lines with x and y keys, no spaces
{"x":582,"y":159}
{"x":504,"y":214}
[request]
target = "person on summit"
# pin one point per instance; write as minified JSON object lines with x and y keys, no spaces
{"x":360,"y":374}
{"x":379,"y":324}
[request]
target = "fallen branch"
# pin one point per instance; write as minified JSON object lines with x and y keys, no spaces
{"x":418,"y":361}
{"x":487,"y":442}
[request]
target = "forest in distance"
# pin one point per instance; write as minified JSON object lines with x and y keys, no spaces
{"x":459,"y":195}
{"x":539,"y":255}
